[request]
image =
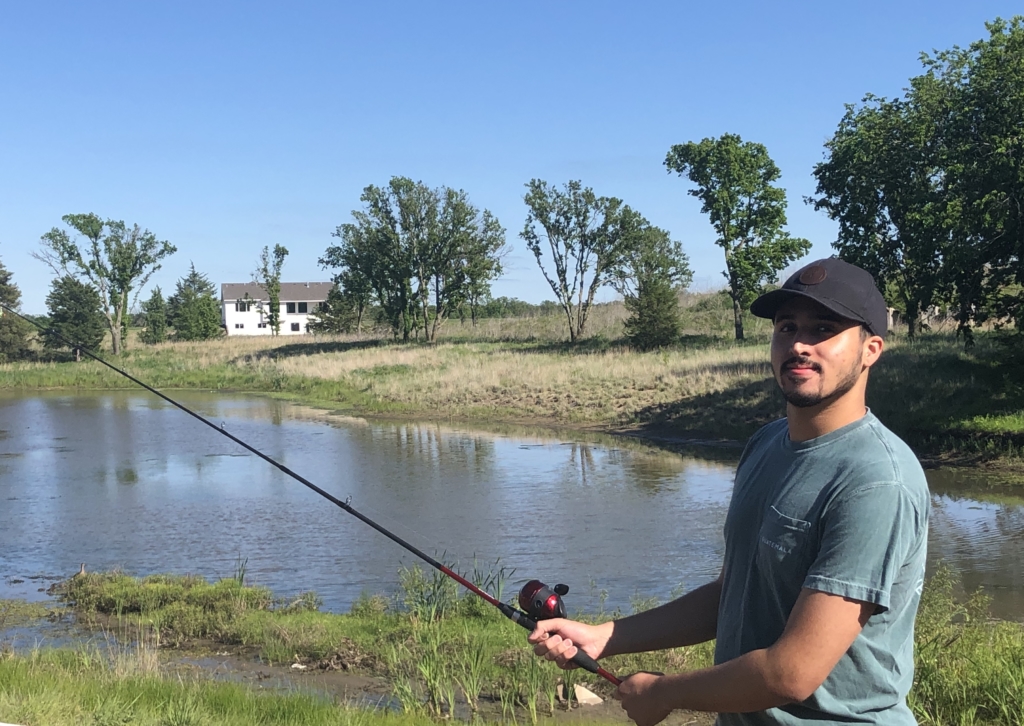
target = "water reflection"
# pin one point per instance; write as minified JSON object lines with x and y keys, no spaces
{"x":125,"y":480}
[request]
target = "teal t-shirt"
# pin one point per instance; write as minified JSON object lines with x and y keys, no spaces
{"x":847,"y":514}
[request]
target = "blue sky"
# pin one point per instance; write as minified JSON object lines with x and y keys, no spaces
{"x":224,"y":127}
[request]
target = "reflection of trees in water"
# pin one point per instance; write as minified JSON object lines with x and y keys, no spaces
{"x":651,"y":472}
{"x":424,"y":444}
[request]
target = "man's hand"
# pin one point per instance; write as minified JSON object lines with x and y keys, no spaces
{"x":557,"y":640}
{"x":641,"y":700}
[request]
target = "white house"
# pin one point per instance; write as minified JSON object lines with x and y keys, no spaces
{"x":245,"y":306}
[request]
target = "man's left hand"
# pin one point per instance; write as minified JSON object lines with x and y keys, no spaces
{"x":641,"y":699}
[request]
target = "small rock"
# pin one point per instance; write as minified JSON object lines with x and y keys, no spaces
{"x":298,"y":667}
{"x":585,"y":697}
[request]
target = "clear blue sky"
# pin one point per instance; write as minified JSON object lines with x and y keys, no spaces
{"x":224,"y":127}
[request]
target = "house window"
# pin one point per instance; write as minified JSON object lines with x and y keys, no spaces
{"x":239,"y":325}
{"x":290,"y":308}
{"x":261,"y":325}
{"x":303,"y":307}
{"x":243,"y":306}
{"x":295,"y":327}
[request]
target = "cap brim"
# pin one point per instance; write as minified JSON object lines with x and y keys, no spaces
{"x":768,"y":305}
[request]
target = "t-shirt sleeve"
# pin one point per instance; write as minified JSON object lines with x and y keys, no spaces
{"x":866,"y":537}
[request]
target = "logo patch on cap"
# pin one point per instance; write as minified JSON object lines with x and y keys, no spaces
{"x":813,"y":275}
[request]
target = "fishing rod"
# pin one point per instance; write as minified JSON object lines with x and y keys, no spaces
{"x":537,"y":600}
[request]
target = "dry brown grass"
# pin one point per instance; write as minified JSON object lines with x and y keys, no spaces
{"x":456,"y":379}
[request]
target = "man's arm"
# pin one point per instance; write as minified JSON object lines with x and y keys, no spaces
{"x":821,"y":628}
{"x":687,"y":620}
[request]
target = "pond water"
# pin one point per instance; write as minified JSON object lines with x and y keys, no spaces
{"x":125,"y":480}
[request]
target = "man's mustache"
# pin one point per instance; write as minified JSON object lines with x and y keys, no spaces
{"x":801,"y":362}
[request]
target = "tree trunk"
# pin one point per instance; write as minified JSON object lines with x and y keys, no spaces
{"x":913,"y":313}
{"x":78,"y":355}
{"x":737,"y":315}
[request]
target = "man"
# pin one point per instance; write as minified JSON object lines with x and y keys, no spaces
{"x":825,"y":543}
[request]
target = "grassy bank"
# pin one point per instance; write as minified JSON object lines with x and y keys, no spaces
{"x":951,"y":405}
{"x":436,"y":650}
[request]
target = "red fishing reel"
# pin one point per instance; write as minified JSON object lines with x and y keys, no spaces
{"x":541,"y":602}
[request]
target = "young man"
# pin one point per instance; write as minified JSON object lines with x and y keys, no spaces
{"x":825,"y":543}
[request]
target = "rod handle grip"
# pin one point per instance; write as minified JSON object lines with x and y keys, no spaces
{"x":581,"y":659}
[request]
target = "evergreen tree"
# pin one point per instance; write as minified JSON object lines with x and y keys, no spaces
{"x":76,"y":316}
{"x":156,"y":318}
{"x":193,"y":310}
{"x":194,"y":282}
{"x":13,"y":331}
{"x":654,"y":320}
{"x":337,"y":314}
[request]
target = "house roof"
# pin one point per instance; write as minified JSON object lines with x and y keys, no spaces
{"x":290,"y":291}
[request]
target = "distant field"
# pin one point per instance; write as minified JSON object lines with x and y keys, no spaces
{"x":949,"y":404}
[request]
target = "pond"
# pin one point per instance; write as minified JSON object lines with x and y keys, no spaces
{"x":122,"y":479}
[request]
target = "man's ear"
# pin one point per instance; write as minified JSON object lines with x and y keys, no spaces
{"x":873,"y":346}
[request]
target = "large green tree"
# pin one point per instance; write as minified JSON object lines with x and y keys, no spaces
{"x":268,"y":274}
{"x":734,"y":181}
{"x":984,"y":148}
{"x":586,"y":237}
{"x":421,"y":253}
{"x":194,"y":311}
{"x":883,"y":181}
{"x":13,"y":330}
{"x":76,"y":317}
{"x":112,"y":257}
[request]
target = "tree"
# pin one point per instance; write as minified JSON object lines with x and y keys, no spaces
{"x":114,"y":259}
{"x":155,"y":309}
{"x":586,"y":237}
{"x":649,"y":277}
{"x":420,"y":253}
{"x":984,"y":147}
{"x":883,"y":182}
{"x":196,"y":313}
{"x":733,"y":180}
{"x":13,"y":330}
{"x":337,"y":314}
{"x":268,"y":274}
{"x":75,"y":310}
{"x":193,"y":285}
{"x":654,"y":315}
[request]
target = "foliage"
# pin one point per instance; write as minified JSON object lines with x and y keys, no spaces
{"x":733,"y":179}
{"x":420,"y":253}
{"x":268,"y":274}
{"x":339,"y":313}
{"x":75,"y":316}
{"x":652,"y":270}
{"x":882,"y":182}
{"x":928,"y":189}
{"x":588,"y":237}
{"x":654,"y":321}
{"x":113,"y":258}
{"x":13,"y":330}
{"x":194,"y":311}
{"x":155,"y":310}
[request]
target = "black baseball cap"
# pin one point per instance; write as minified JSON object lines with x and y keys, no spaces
{"x":845,"y":289}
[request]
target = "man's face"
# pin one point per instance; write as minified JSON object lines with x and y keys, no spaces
{"x":818,"y":356}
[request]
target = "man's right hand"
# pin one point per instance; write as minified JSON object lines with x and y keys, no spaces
{"x":557,"y":640}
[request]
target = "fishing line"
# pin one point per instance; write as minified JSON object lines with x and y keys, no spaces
{"x":539,"y":600}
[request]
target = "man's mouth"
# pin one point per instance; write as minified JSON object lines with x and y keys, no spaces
{"x":801,"y":368}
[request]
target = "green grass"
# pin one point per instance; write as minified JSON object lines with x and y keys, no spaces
{"x":73,"y":687}
{"x":435,"y":646}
